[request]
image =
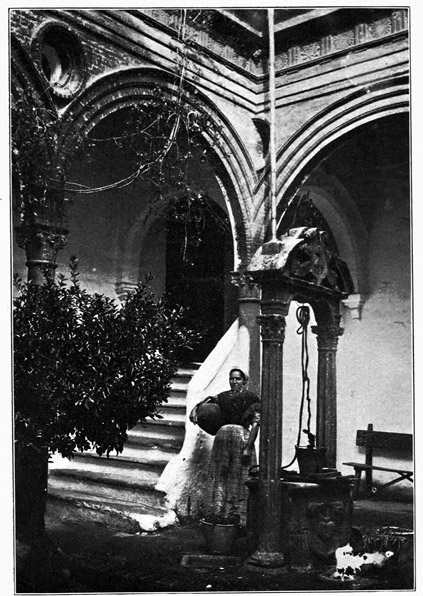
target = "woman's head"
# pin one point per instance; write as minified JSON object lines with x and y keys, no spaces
{"x":237,"y":379}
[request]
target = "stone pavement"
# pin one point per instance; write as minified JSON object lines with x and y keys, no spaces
{"x":92,"y":554}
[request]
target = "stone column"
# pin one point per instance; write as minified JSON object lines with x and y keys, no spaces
{"x":327,"y":342}
{"x":41,"y":243}
{"x":274,"y":308}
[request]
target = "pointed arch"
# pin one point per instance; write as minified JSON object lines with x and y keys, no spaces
{"x":305,"y":148}
{"x":134,"y":86}
{"x":314,"y":142}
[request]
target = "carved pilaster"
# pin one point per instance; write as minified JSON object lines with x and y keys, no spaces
{"x":41,"y":243}
{"x":327,"y":343}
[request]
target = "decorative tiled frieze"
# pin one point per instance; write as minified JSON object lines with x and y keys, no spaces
{"x":360,"y":33}
{"x":199,"y":29}
{"x":399,"y":20}
{"x":326,"y":45}
{"x":380,"y":28}
{"x":281,"y":61}
{"x":343,"y":41}
{"x":294,"y":55}
{"x":195,"y":31}
{"x":310,"y":51}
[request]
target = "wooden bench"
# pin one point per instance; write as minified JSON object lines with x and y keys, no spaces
{"x":371,"y":440}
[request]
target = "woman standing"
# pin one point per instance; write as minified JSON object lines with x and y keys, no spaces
{"x":233,"y":451}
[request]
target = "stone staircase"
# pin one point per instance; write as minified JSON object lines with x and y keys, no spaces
{"x":123,"y":486}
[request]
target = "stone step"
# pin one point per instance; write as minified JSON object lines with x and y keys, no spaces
{"x":126,"y":482}
{"x":179,"y":384}
{"x":94,"y":485}
{"x":119,"y":515}
{"x":187,"y":370}
{"x":152,"y":458}
{"x":159,"y":429}
{"x":121,"y":468}
{"x":156,"y":439}
{"x":168,"y":420}
{"x":176,"y":399}
{"x":172,"y":411}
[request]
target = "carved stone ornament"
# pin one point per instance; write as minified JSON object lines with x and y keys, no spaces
{"x":247,"y":287}
{"x":272,"y":327}
{"x":41,"y":242}
{"x":328,"y":526}
{"x":314,"y":262}
{"x":327,"y":337}
{"x":303,"y":254}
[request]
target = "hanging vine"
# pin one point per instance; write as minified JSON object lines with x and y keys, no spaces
{"x":160,"y":135}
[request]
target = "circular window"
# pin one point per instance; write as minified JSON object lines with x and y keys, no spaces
{"x":59,"y":56}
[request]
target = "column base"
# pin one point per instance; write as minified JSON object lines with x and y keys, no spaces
{"x":262,"y":558}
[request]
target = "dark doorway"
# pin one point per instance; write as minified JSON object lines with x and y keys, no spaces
{"x":199,"y":256}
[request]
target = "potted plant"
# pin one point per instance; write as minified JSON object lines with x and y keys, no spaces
{"x":311,"y":459}
{"x":221,"y":530}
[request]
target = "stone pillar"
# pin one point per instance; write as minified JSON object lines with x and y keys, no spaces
{"x":248,"y":311}
{"x":274,"y":308}
{"x":41,"y":243}
{"x":327,"y":342}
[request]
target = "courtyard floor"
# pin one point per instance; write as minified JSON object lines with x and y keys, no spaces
{"x":90,"y":556}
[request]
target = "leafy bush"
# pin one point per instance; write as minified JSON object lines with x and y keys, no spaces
{"x":86,"y":368}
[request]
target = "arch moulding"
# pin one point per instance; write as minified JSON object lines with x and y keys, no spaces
{"x":132,"y":87}
{"x":367,"y":105}
{"x":300,"y":155}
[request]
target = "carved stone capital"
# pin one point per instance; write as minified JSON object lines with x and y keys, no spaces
{"x":248,"y":289}
{"x":272,"y":327}
{"x":327,"y":336}
{"x":41,"y":243}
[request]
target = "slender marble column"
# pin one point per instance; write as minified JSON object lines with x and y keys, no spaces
{"x":272,"y":321}
{"x":327,"y":342}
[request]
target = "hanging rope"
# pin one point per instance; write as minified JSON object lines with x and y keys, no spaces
{"x":303,"y":317}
